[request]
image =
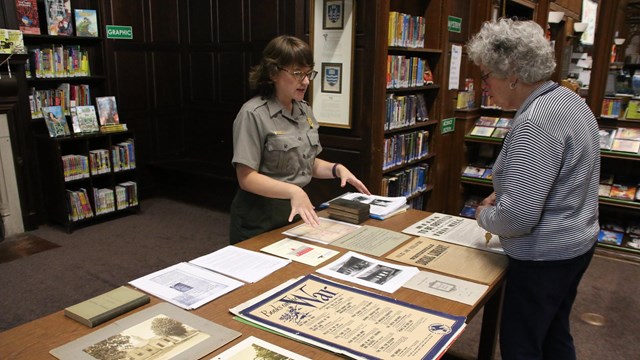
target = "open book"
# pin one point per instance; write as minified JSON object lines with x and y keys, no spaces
{"x":381,"y":206}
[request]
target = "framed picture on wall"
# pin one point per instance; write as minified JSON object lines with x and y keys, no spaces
{"x":332,"y":39}
{"x":332,"y":78}
{"x":333,"y":14}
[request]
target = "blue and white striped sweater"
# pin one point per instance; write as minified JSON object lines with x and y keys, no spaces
{"x":546,"y":179}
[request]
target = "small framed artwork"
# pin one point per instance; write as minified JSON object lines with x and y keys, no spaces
{"x":332,"y":78}
{"x":333,"y":15}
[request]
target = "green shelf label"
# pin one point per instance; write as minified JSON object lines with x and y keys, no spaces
{"x":119,"y":32}
{"x":447,"y":125}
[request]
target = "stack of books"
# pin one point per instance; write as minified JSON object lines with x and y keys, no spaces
{"x":350,"y":211}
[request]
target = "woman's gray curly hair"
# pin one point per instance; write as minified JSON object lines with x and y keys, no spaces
{"x":510,"y":47}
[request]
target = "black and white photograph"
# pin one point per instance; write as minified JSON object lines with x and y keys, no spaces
{"x":333,"y":15}
{"x":332,"y":78}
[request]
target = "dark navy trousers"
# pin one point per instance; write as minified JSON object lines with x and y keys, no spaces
{"x":537,"y":304}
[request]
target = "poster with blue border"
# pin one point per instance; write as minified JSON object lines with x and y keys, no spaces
{"x":351,"y":321}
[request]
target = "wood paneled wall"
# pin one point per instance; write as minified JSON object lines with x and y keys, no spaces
{"x":182,"y":79}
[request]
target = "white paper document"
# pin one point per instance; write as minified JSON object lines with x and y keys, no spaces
{"x":447,"y":287}
{"x":328,"y":231}
{"x":186,"y":285}
{"x":454,"y":66}
{"x":366,"y":271}
{"x":246,"y":265}
{"x":254,"y":348}
{"x":299,"y":251}
{"x":456,"y":230}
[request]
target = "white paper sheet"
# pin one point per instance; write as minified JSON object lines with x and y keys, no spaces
{"x":246,"y":265}
{"x":447,"y":287}
{"x":370,"y":272}
{"x":299,"y":251}
{"x":454,"y":67}
{"x":186,"y":285}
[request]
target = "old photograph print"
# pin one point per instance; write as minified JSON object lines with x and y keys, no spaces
{"x":160,"y":337}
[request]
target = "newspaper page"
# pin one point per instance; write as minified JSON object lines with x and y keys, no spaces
{"x":457,"y":230}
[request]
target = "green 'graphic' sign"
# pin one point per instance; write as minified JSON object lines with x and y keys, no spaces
{"x":119,"y":32}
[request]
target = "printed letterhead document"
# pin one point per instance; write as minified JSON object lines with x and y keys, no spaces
{"x":447,"y":287}
{"x":371,"y":240}
{"x":246,"y":265}
{"x":186,"y":285}
{"x":351,"y":321}
{"x":366,"y":271}
{"x":301,"y":252}
{"x":456,"y":230}
{"x":327,"y":232}
{"x":254,"y":348}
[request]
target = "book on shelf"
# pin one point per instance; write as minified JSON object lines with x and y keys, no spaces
{"x":487,"y":121}
{"x":86,"y":22}
{"x":86,"y":118}
{"x":126,"y":195}
{"x":27,"y":15}
{"x":633,"y":110}
{"x":604,"y":190}
{"x":379,"y":205}
{"x":57,"y":61}
{"x":11,"y":42}
{"x":482,"y":130}
{"x":606,"y":138}
{"x":58,"y":15}
{"x":469,"y":208}
{"x":107,"y":110}
{"x":622,"y":145}
{"x":56,"y":121}
{"x":628,"y":133}
{"x":99,"y":161}
{"x":623,"y":191}
{"x":177,"y":334}
{"x":106,"y":306}
{"x":610,"y":237}
{"x":79,"y":206}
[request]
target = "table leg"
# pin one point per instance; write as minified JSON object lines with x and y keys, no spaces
{"x":490,"y":325}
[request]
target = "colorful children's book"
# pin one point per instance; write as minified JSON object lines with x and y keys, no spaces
{"x":56,"y":121}
{"x":107,"y":110}
{"x":610,"y":237}
{"x":86,"y":22}
{"x":27,"y":13}
{"x":58,"y":13}
{"x":87,"y":119}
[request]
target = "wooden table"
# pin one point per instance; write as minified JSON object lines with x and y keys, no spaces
{"x":33,"y":340}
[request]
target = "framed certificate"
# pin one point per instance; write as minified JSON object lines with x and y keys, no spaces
{"x":332,"y":35}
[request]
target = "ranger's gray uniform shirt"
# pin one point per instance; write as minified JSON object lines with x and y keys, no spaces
{"x":279,"y":145}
